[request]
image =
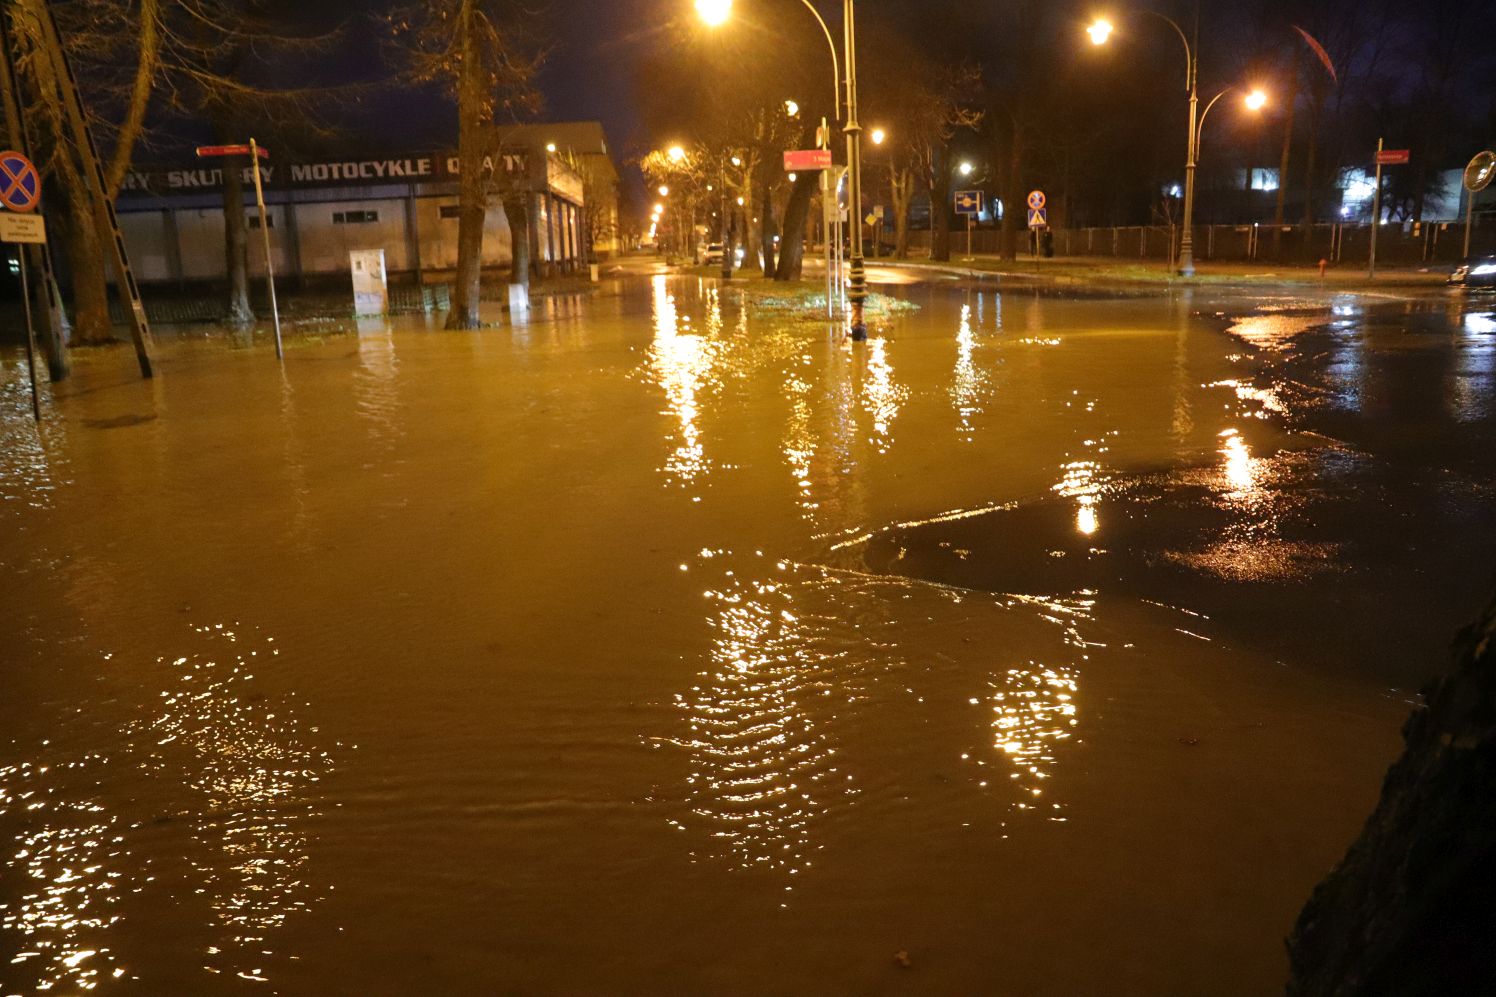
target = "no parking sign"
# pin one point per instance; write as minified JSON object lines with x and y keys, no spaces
{"x":20,"y":184}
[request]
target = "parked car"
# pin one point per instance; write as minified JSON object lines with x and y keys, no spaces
{"x":711,"y":255}
{"x":1477,"y":271}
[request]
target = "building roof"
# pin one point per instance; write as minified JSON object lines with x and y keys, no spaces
{"x":583,"y":138}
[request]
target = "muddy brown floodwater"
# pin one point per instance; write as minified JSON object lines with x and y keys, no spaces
{"x":657,"y":646}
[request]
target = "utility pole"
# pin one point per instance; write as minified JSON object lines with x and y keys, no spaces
{"x":857,"y":292}
{"x":54,"y":342}
{"x":1376,"y":212}
{"x":1192,"y":69}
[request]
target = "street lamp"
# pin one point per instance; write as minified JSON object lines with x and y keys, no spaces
{"x":1100,"y":31}
{"x":878,"y":135}
{"x":966,"y":169}
{"x":716,"y":13}
{"x":664,"y":190}
{"x":792,"y":108}
{"x":676,"y":154}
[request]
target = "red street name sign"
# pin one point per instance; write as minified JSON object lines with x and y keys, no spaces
{"x":209,"y":151}
{"x":1392,"y":157}
{"x":807,"y":160}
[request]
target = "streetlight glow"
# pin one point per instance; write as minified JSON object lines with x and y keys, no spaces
{"x":792,"y":108}
{"x":1100,"y":31}
{"x":664,"y":191}
{"x":550,"y":147}
{"x":1256,"y":100}
{"x":878,"y":135}
{"x":793,"y":177}
{"x":677,"y":154}
{"x":966,"y":169}
{"x":714,"y":13}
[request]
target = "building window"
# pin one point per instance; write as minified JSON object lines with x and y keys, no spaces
{"x":354,"y":217}
{"x":253,"y":221}
{"x":451,"y":211}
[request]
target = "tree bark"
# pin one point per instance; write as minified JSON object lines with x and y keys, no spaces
{"x":91,"y":322}
{"x":1409,"y":909}
{"x":903,"y":195}
{"x":140,"y":94}
{"x":796,"y":210}
{"x":940,"y":208}
{"x":766,"y":226}
{"x":472,"y":208}
{"x":236,"y":244}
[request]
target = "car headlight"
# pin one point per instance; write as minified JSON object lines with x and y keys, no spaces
{"x":1483,"y":269}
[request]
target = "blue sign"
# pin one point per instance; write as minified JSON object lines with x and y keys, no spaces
{"x":1038,"y":218}
{"x":20,"y":185}
{"x":968,"y":202}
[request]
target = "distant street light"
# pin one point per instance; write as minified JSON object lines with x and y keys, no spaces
{"x":550,"y":147}
{"x":792,"y":109}
{"x":1100,"y":31}
{"x":1256,"y":100}
{"x":677,"y":154}
{"x":966,"y":169}
{"x":878,"y":135}
{"x":664,"y":191}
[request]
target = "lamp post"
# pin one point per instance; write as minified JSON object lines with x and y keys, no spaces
{"x":716,"y":13}
{"x":1100,"y":31}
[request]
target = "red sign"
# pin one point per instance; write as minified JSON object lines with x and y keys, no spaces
{"x":807,"y":160}
{"x":209,"y":151}
{"x":1392,"y":157}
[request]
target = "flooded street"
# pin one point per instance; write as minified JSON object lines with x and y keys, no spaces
{"x":664,"y":645}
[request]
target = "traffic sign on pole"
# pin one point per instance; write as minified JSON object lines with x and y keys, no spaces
{"x":1393,"y":157}
{"x":1038,"y":218}
{"x":807,"y":160}
{"x":16,"y":227}
{"x":20,"y":184}
{"x":211,"y":151}
{"x":1036,"y":199}
{"x":968,"y":202}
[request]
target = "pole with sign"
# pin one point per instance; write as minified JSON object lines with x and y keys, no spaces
{"x":20,"y":193}
{"x":969,"y":203}
{"x":1385,"y":157}
{"x":1478,"y":176}
{"x":255,"y":152}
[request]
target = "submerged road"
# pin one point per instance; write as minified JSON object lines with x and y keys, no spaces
{"x":1045,"y":643}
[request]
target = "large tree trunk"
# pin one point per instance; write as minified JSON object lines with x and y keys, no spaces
{"x":766,"y":226}
{"x":903,"y":195}
{"x":91,"y":322}
{"x":1283,"y":160}
{"x":1014,"y":200}
{"x":1316,"y":108}
{"x":236,"y":244}
{"x":472,"y":208}
{"x":517,"y":214}
{"x":796,"y":210}
{"x":1410,"y":908}
{"x":940,"y":208}
{"x":148,"y":59}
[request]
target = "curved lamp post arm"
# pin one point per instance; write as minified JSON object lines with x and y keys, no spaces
{"x":1200,"y":129}
{"x":836,"y":100}
{"x":1189,"y":52}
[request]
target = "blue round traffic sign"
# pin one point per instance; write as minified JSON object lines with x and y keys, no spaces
{"x":20,"y":184}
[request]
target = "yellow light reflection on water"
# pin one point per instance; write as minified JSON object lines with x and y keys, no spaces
{"x":683,"y":364}
{"x":882,"y":395}
{"x":969,"y":384}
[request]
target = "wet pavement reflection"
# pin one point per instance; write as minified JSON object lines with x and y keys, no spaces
{"x":665,"y":641}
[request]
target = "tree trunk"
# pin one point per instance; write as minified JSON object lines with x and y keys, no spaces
{"x":1014,"y":201}
{"x":471,"y":205}
{"x":766,"y":226}
{"x":517,"y":214}
{"x":148,"y":59}
{"x":1315,"y":110}
{"x":903,"y":196}
{"x":91,"y":323}
{"x":1283,"y":160}
{"x":940,"y":208}
{"x":235,"y":244}
{"x":796,"y":210}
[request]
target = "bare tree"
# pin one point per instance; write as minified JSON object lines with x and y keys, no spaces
{"x":479,"y":52}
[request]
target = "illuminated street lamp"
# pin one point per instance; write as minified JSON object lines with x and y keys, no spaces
{"x":715,"y":13}
{"x":792,"y":108}
{"x":1100,"y":32}
{"x":677,"y":154}
{"x":1256,"y":100}
{"x":878,"y":136}
{"x":966,"y":169}
{"x":664,"y":190}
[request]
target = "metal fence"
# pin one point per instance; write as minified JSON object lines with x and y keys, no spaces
{"x":1434,"y":243}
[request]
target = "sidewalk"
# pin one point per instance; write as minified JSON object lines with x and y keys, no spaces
{"x":1076,"y":270}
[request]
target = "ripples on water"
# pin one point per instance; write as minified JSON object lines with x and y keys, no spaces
{"x":234,"y":767}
